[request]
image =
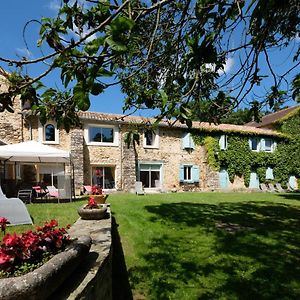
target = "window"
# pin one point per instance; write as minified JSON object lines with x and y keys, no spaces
{"x":268,"y":145}
{"x":189,"y":173}
{"x":223,"y":142}
{"x":49,"y":133}
{"x":254,"y":144}
{"x":150,"y":175}
{"x":151,"y":139}
{"x":101,"y":135}
{"x":262,"y":144}
{"x":187,"y":141}
{"x":104,"y":176}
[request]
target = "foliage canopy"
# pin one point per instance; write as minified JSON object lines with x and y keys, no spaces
{"x":167,"y":55}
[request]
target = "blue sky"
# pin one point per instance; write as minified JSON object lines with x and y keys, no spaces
{"x":15,"y":13}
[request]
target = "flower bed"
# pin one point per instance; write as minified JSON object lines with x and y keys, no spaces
{"x":42,"y":282}
{"x":22,"y":253}
{"x":30,"y":247}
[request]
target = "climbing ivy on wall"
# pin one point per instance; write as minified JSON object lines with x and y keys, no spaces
{"x":240,"y":160}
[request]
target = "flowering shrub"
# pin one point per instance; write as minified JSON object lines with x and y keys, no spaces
{"x":96,"y":190}
{"x":3,"y":223}
{"x":30,"y":247}
{"x":91,"y":204}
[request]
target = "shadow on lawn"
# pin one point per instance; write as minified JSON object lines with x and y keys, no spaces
{"x":253,"y":251}
{"x":120,"y":284}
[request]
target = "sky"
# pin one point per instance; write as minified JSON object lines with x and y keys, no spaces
{"x":15,"y":13}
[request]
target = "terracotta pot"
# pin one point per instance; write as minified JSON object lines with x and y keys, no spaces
{"x":92,"y":214}
{"x":99,"y":199}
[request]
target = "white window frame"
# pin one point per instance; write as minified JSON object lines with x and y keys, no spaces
{"x":225,"y":138}
{"x":185,"y":173}
{"x":258,"y":148}
{"x":271,"y":149}
{"x":91,"y":143}
{"x":42,"y":137}
{"x":155,"y":144}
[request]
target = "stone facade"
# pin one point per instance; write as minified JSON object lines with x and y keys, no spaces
{"x":158,"y":166}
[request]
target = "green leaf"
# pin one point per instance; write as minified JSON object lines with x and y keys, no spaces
{"x":97,"y":89}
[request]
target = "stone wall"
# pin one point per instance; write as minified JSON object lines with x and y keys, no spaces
{"x":77,"y":153}
{"x":93,"y":278}
{"x":11,"y":123}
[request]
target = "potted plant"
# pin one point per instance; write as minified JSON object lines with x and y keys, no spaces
{"x":92,"y":210}
{"x":98,"y":194}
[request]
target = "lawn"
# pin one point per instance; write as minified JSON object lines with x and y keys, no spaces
{"x":211,"y":245}
{"x":203,"y":245}
{"x":64,"y":213}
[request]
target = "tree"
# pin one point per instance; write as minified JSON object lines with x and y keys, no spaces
{"x":166,"y":54}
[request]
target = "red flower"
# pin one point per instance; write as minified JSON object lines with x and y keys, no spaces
{"x":17,"y":249}
{"x":91,"y":204}
{"x":96,"y":190}
{"x":11,"y":240}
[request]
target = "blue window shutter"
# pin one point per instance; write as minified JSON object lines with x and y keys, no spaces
{"x":185,"y":141}
{"x":269,"y":173}
{"x":262,"y":145}
{"x":195,"y":174}
{"x":250,"y":144}
{"x":192,"y":144}
{"x":222,"y":142}
{"x":181,"y":173}
{"x":274,"y":146}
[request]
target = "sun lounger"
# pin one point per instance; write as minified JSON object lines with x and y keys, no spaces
{"x":53,"y":191}
{"x":139,"y":188}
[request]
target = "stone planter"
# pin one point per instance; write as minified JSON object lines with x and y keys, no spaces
{"x":94,"y":213}
{"x":99,"y":199}
{"x":42,"y":282}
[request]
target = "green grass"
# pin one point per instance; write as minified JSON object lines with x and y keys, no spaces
{"x":202,"y":245}
{"x":64,"y":213}
{"x":211,"y":245}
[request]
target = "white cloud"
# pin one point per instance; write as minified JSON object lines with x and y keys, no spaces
{"x":228,"y":64}
{"x":54,"y":5}
{"x":226,"y":68}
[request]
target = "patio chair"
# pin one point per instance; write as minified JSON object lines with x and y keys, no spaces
{"x":139,"y":190}
{"x":52,"y":191}
{"x":25,"y":195}
{"x":87,"y":189}
{"x":263,"y":187}
{"x":39,"y":192}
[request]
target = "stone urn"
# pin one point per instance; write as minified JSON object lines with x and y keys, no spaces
{"x":100,"y":199}
{"x":93,"y":213}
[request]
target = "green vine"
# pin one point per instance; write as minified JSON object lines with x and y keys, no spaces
{"x":239,"y":159}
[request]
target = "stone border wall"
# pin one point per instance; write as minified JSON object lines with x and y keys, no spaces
{"x":93,"y":277}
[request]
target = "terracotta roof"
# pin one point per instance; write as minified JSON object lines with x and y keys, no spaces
{"x":205,"y":126}
{"x":272,"y":118}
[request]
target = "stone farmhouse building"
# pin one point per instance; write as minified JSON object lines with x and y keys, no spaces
{"x":166,"y":158}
